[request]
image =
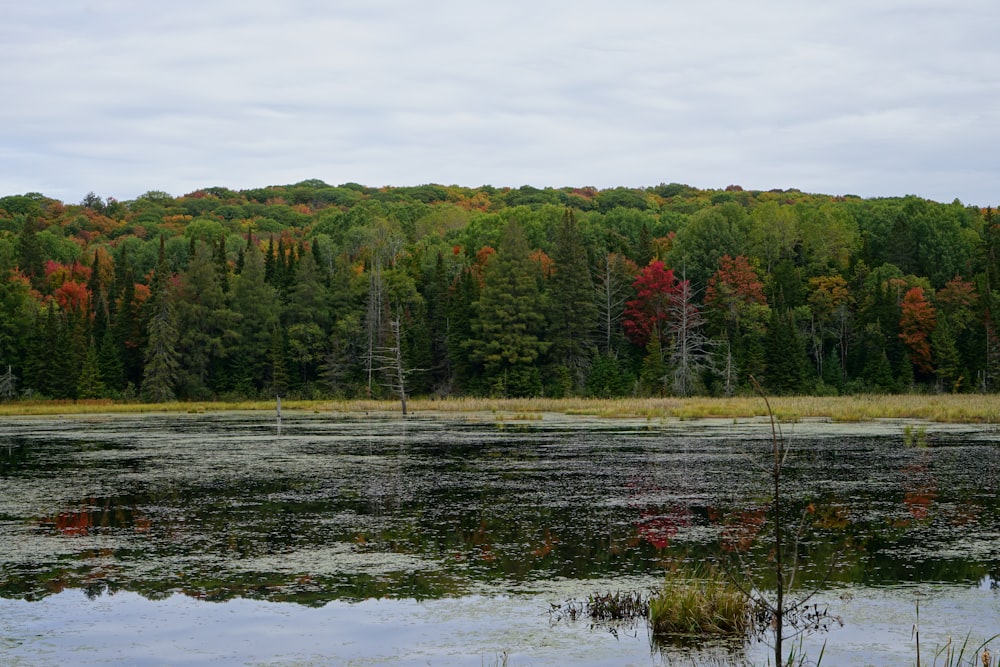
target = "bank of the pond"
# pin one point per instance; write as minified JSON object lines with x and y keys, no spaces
{"x":945,"y":408}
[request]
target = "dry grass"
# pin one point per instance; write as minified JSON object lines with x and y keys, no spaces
{"x":966,"y":408}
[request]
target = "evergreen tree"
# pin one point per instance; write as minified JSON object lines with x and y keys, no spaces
{"x":222,"y":264}
{"x":206,"y":325}
{"x":465,"y":369}
{"x":436,"y":296}
{"x":162,"y":368}
{"x":787,"y":363}
{"x":606,"y":378}
{"x":79,"y":338}
{"x":509,"y":319}
{"x":126,"y":329}
{"x":109,"y":363}
{"x":48,"y":373}
{"x":257,"y":304}
{"x":88,"y":384}
{"x":308,"y":299}
{"x":643,"y":253}
{"x":947,"y":362}
{"x":654,"y":374}
{"x":271,"y":264}
{"x":29,"y":251}
{"x":572,"y":308}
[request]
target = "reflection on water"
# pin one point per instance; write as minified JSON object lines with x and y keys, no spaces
{"x":220,"y":507}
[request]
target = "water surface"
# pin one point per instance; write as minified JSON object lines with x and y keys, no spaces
{"x":226,"y":539}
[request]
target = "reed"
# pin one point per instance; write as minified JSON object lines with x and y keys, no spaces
{"x":950,"y":408}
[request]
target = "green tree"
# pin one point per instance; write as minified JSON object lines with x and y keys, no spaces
{"x":206,"y":325}
{"x":708,"y":235}
{"x":257,"y":304}
{"x":18,"y":314}
{"x":787,"y":364}
{"x":30,"y":257}
{"x":774,"y":234}
{"x":507,"y":331}
{"x":572,"y":308}
{"x":88,"y":384}
{"x":307,"y":318}
{"x":162,"y":368}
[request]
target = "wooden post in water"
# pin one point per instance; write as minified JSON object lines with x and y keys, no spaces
{"x":279,"y":412}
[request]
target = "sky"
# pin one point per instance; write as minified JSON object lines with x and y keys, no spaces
{"x":866,"y":97}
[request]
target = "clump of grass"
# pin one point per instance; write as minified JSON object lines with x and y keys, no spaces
{"x":700,"y":604}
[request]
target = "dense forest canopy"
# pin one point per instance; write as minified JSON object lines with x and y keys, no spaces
{"x":315,"y":290}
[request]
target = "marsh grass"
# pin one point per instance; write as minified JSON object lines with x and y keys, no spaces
{"x":965,"y":408}
{"x":956,"y":655}
{"x":700,"y":604}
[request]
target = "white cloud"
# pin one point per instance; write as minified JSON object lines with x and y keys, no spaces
{"x":872,"y":98}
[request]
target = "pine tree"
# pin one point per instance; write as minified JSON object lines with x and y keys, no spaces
{"x":509,"y":319}
{"x":435,"y":293}
{"x":206,"y":325}
{"x":572,"y":308}
{"x":465,"y":369}
{"x":126,"y":328}
{"x":162,"y":368}
{"x":270,"y":264}
{"x":88,"y":384}
{"x":787,"y":363}
{"x":947,"y":362}
{"x":654,"y":374}
{"x":222,"y":264}
{"x":257,"y":303}
{"x":29,"y":251}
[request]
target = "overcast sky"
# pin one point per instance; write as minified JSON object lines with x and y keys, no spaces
{"x":866,"y":97}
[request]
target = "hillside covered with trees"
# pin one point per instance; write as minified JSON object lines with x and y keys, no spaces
{"x":316,"y":291}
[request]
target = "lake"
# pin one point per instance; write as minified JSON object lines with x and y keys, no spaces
{"x":335,"y":539}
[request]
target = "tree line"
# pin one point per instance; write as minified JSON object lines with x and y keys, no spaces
{"x":315,"y":291}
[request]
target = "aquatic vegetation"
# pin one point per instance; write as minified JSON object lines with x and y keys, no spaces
{"x":605,"y":608}
{"x":696,"y":604}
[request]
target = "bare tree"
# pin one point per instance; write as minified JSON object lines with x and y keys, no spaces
{"x":391,"y":363}
{"x":691,"y":349}
{"x":788,"y":614}
{"x":614,"y":284}
{"x":8,"y":384}
{"x":373,"y":320}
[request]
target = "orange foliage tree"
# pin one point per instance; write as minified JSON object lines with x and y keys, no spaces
{"x":916,"y":323}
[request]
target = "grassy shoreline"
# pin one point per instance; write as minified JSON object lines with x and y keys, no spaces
{"x":945,"y":408}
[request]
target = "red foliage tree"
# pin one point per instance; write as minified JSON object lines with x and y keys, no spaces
{"x":732,"y":289}
{"x":655,"y":287}
{"x":957,"y":300}
{"x":72,"y":296}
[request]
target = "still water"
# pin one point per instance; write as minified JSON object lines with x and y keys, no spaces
{"x":446,"y":540}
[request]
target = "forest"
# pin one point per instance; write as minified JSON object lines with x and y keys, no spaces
{"x":318,"y":291}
